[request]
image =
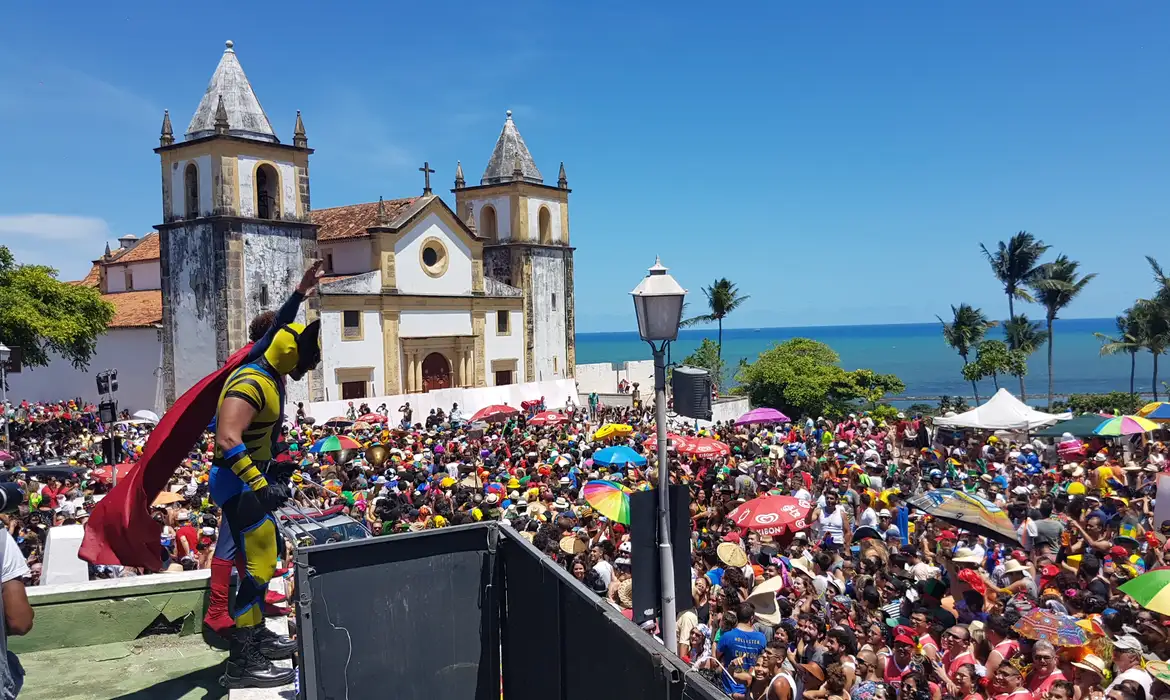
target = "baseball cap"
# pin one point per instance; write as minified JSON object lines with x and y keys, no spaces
{"x":1127,"y":642}
{"x":948,"y":535}
{"x":1119,"y":551}
{"x":904,"y":639}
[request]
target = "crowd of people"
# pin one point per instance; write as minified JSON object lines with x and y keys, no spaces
{"x":872,"y":599}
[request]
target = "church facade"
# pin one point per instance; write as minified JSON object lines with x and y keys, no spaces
{"x":418,"y":294}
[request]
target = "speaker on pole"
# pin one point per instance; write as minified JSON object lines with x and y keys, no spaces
{"x":644,"y":550}
{"x":691,"y":388}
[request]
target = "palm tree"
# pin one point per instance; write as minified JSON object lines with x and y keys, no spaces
{"x":1056,"y":285}
{"x":967,"y":328}
{"x":1153,"y":331}
{"x":1125,"y":341}
{"x":1025,"y":337}
{"x":1015,"y":264}
{"x":722,"y":298}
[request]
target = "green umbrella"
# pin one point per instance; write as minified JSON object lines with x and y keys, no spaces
{"x":1150,"y":590}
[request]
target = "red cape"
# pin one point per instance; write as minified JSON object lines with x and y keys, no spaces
{"x":120,"y":529}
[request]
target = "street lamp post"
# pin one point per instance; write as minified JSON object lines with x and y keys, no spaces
{"x":658,"y":302}
{"x":5,"y":353}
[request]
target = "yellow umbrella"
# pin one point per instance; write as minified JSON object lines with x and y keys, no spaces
{"x":613,"y":430}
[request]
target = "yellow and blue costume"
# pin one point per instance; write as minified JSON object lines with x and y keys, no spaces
{"x":239,"y":481}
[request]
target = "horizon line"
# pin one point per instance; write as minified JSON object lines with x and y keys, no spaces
{"x":838,"y":325}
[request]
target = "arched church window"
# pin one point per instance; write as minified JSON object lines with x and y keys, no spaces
{"x":545,"y":225}
{"x":487,"y":222}
{"x":267,"y":192}
{"x":191,"y":191}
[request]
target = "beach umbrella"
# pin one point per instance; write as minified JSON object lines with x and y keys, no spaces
{"x":361,"y":425}
{"x":1125,"y":425}
{"x":1150,"y":590}
{"x":1053,"y":627}
{"x":674,"y":442}
{"x":494,"y":413}
{"x":339,"y":422}
{"x":149,"y":416}
{"x":103,"y":473}
{"x":548,"y":418}
{"x":967,"y":512}
{"x":618,"y":456}
{"x":773,"y":515}
{"x":609,"y":499}
{"x":335,"y":443}
{"x":613,"y":430}
{"x":372,"y":418}
{"x":762,"y":415}
{"x":704,"y":447}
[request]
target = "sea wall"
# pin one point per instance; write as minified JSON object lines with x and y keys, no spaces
{"x":603,"y":377}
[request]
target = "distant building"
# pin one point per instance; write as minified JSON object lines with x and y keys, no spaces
{"x":418,"y":296}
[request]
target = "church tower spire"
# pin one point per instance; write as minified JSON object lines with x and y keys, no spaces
{"x":221,"y":118}
{"x":167,"y":136}
{"x":510,"y":149}
{"x":562,"y":179}
{"x":299,"y":138}
{"x":242,"y":111}
{"x":460,"y":183}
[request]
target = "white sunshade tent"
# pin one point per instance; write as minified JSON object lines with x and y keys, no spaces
{"x":1002,"y":412}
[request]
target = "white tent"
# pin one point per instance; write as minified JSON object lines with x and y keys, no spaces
{"x":1002,"y":412}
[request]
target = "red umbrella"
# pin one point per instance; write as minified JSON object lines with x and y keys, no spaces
{"x":548,"y":418}
{"x":495,"y":412}
{"x":773,"y":515}
{"x":704,"y":447}
{"x":104,"y":473}
{"x":373,"y":418}
{"x":675,"y":441}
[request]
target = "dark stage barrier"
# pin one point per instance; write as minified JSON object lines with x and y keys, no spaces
{"x":441,"y":614}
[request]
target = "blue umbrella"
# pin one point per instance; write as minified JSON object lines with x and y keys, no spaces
{"x":617,"y":456}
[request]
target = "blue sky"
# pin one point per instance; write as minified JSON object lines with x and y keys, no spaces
{"x":840,"y":161}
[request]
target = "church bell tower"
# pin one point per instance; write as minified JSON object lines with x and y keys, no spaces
{"x":526,"y":224}
{"x":236,"y":233}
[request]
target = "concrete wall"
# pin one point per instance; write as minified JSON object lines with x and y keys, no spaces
{"x":409,"y":271}
{"x":351,"y":354}
{"x":509,"y":346}
{"x":554,"y":210}
{"x":178,"y":203}
{"x":548,"y":309}
{"x":246,"y":167}
{"x":193,"y":316}
{"x":349,"y":257}
{"x":603,"y":377}
{"x":555,"y":393}
{"x":135,"y":352}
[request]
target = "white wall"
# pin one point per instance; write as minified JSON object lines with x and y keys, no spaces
{"x":548,"y":328}
{"x":179,"y":188}
{"x":603,"y":377}
{"x":349,"y":257}
{"x":346,"y":354}
{"x":554,"y":210}
{"x":555,"y":393}
{"x":246,"y":167}
{"x":428,"y":324}
{"x":503,"y":207}
{"x":135,"y":352}
{"x":412,"y":279}
{"x":504,"y":347}
{"x":146,"y":276}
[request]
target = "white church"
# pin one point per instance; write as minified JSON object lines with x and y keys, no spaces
{"x":420,"y":295}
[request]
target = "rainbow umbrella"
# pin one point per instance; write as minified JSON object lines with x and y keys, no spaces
{"x":608,"y":499}
{"x":1156,"y":410}
{"x":335,"y":443}
{"x":1150,"y":590}
{"x":1125,"y":425}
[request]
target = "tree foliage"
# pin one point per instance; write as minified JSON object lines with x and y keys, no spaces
{"x":1113,"y":402}
{"x":707,"y":357}
{"x":966,"y":329}
{"x":1015,"y":264}
{"x":43,"y":316}
{"x":803,"y":377}
{"x":723,"y":297}
{"x":993,"y":358}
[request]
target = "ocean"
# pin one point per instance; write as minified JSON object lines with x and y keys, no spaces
{"x":915,"y":352}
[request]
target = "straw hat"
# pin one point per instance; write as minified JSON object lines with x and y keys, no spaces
{"x":571,"y":544}
{"x":803,"y":565}
{"x":1093,"y":663}
{"x":964,"y":555}
{"x":625,"y":594}
{"x":528,"y":535}
{"x":1015,"y":567}
{"x":731,"y":554}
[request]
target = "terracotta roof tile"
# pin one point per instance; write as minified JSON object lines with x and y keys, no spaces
{"x":351,"y":221}
{"x":145,"y":249}
{"x":92,"y":279}
{"x":136,"y":309}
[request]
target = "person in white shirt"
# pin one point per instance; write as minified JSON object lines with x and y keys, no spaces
{"x":1127,"y":664}
{"x":869,"y":516}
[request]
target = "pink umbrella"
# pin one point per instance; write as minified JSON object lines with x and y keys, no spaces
{"x":5,"y":456}
{"x":704,"y":447}
{"x":676,"y":441}
{"x":773,"y":515}
{"x":762,"y":415}
{"x":548,"y":418}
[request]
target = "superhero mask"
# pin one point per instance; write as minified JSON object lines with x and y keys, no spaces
{"x":295,"y":349}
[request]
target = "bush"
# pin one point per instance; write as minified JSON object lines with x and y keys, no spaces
{"x":1121,"y":402}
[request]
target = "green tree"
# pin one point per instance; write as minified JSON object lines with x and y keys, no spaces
{"x":803,"y":377}
{"x":1055,"y":286}
{"x":967,"y":329}
{"x":1124,"y":341}
{"x":707,"y":357}
{"x":873,"y":387}
{"x":1015,"y":264}
{"x":44,"y":316}
{"x":1154,"y":318}
{"x":993,"y":358}
{"x":723,"y":297}
{"x":1025,"y":337}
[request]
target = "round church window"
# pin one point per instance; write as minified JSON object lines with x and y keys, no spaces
{"x":433,"y":256}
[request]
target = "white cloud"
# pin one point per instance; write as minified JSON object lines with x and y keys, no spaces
{"x":67,"y":243}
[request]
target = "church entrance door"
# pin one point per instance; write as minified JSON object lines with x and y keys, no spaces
{"x":436,"y":372}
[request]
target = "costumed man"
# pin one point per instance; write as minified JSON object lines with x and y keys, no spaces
{"x":260,"y":333}
{"x":249,"y":484}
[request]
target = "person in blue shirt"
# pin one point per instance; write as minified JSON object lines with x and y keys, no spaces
{"x":901,"y":517}
{"x":738,"y":649}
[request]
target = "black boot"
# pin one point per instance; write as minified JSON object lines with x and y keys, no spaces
{"x":274,"y":646}
{"x":247,"y":667}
